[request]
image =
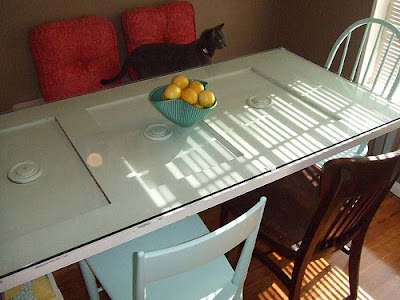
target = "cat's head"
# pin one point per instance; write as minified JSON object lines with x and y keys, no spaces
{"x":214,"y":37}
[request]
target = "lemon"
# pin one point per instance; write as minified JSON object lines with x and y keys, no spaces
{"x":181,"y":80}
{"x":206,"y":98}
{"x":197,"y":104}
{"x":172,"y":91}
{"x":197,"y":86}
{"x":189,"y":95}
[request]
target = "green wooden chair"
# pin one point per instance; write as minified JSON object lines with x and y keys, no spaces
{"x":375,"y":79}
{"x":180,"y":261}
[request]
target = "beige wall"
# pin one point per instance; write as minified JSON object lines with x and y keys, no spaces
{"x":310,"y":27}
{"x":306,"y":27}
{"x":250,"y":26}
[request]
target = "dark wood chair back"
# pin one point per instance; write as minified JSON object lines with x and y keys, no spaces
{"x":312,"y":214}
{"x":351,"y":191}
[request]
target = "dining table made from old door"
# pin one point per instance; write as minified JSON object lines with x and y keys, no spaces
{"x":81,"y":175}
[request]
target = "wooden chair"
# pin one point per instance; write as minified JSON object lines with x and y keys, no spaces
{"x":181,"y":261}
{"x":73,"y":55}
{"x":303,"y":225}
{"x":381,"y":78}
{"x":172,"y":22}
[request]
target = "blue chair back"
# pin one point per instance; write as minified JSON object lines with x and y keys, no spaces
{"x":156,"y":265}
{"x":379,"y":72}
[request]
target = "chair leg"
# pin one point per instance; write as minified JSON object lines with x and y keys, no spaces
{"x":299,"y":270}
{"x":90,"y":280}
{"x":224,"y":214}
{"x":238,"y":296}
{"x":295,"y":285}
{"x":354,"y":263}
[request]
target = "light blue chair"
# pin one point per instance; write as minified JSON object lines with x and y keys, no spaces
{"x":180,"y":261}
{"x":383,"y":84}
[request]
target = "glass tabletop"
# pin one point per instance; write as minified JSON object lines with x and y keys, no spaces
{"x":102,"y":175}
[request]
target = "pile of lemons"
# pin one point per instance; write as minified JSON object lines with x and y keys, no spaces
{"x":192,"y":92}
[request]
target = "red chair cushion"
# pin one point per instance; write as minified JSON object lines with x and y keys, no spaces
{"x":72,"y":56}
{"x":169,"y":23}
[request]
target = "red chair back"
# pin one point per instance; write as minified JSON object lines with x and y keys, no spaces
{"x":169,"y":23}
{"x":72,"y":56}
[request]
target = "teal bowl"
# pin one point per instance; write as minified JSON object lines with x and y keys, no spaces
{"x":178,"y":111}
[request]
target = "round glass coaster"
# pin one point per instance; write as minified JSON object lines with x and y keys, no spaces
{"x":24,"y":172}
{"x":260,"y":102}
{"x":158,"y":132}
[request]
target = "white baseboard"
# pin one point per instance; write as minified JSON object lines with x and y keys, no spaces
{"x":27,"y":104}
{"x":396,"y":189}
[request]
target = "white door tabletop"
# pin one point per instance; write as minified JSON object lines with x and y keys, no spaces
{"x":100,"y":182}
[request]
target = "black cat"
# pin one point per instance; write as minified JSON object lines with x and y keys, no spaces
{"x":161,"y":58}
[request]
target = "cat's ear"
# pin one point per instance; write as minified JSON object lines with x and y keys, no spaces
{"x":219,"y":27}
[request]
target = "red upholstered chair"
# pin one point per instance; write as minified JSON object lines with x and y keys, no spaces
{"x":169,"y":23}
{"x":72,"y":56}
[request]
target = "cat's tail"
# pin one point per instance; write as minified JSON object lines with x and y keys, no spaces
{"x":106,"y":81}
{"x":118,"y":77}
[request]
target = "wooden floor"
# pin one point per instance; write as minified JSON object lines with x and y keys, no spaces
{"x":379,"y":271}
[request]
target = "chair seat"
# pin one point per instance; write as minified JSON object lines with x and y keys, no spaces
{"x":115,"y":275}
{"x":292,"y":201}
{"x":359,"y":150}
